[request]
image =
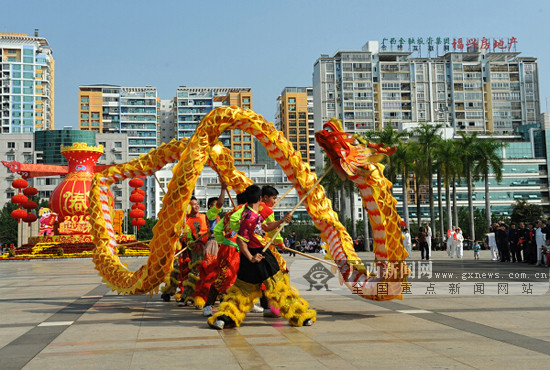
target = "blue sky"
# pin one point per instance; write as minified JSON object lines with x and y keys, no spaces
{"x":265,"y":45}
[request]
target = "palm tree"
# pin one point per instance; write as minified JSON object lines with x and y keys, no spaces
{"x":488,"y":160}
{"x":419,"y":169}
{"x":403,"y":160}
{"x":428,"y":136}
{"x":389,"y":137}
{"x":449,"y":160}
{"x":468,"y":148}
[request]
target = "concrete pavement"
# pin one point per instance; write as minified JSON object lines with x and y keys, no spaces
{"x":56,"y":314}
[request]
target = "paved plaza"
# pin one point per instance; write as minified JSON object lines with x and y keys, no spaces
{"x":57,"y":314}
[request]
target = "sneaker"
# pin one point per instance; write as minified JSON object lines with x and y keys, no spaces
{"x":207,"y":311}
{"x":165,"y":297}
{"x":182,"y":304}
{"x":308,"y":322}
{"x":218,"y":324}
{"x":257,"y":309}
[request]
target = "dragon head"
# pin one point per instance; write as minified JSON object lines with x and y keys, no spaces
{"x":349,"y":154}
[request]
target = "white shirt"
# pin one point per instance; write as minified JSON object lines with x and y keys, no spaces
{"x":459,"y":239}
{"x":492,"y":240}
{"x":407,"y":242}
{"x":540,"y":237}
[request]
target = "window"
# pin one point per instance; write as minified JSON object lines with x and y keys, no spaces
{"x":10,"y":157}
{"x":11,"y":145}
{"x":118,"y":156}
{"x":118,"y":144}
{"x":27,"y":144}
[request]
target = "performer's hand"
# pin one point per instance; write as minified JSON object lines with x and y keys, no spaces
{"x":223,"y":184}
{"x":257,"y":258}
{"x":287,"y":218}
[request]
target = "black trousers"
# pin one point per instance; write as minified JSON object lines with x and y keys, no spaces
{"x":424,"y":250}
{"x":516,"y":252}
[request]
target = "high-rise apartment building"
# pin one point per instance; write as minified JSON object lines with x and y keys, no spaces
{"x":167,"y":119}
{"x":26,"y":83}
{"x":134,"y":111}
{"x":475,"y":90}
{"x":294,"y":118}
{"x":193,"y":103}
{"x":485,"y":87}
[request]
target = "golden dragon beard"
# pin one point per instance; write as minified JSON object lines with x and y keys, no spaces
{"x":193,"y":155}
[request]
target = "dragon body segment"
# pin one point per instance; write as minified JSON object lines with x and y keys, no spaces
{"x":193,"y":155}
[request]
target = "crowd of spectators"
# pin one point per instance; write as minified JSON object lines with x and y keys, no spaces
{"x":528,"y":243}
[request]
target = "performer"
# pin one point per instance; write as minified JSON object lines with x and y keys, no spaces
{"x":227,"y":261}
{"x":259,"y":271}
{"x":196,"y":238}
{"x":207,"y":268}
{"x":269,"y":197}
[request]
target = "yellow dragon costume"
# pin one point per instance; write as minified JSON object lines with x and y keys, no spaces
{"x":194,"y":154}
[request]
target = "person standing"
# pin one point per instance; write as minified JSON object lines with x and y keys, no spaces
{"x":503,"y":243}
{"x":459,"y":243}
{"x":450,"y":238}
{"x":540,"y":239}
{"x":492,"y":242}
{"x":421,"y":238}
{"x":522,"y":242}
{"x":292,"y":244}
{"x":407,"y":242}
{"x":429,"y":237}
{"x":514,"y":235}
{"x":476,"y":247}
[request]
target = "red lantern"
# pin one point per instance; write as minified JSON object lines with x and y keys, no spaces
{"x":137,"y":213}
{"x":19,"y":199}
{"x":138,"y":222}
{"x":29,"y":218}
{"x":139,"y":206}
{"x":136,"y":183}
{"x":29,"y":204}
{"x":138,"y":191}
{"x":19,"y":214}
{"x":30,"y":191}
{"x":137,"y":198}
{"x":19,"y":183}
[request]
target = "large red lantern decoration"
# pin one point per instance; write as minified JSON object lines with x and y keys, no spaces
{"x":70,"y":198}
{"x":137,"y":196}
{"x":19,"y":199}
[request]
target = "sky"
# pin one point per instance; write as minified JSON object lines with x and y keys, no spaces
{"x":264,"y":45}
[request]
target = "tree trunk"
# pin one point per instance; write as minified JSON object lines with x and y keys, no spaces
{"x":440,"y":206}
{"x":417,"y":191}
{"x":455,"y":206}
{"x":448,"y":206}
{"x":366,"y":230}
{"x":343,"y":204}
{"x":431,"y":194}
{"x":353,"y":223}
{"x":470,"y":204}
{"x":406,"y":197}
{"x":487,"y":200}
